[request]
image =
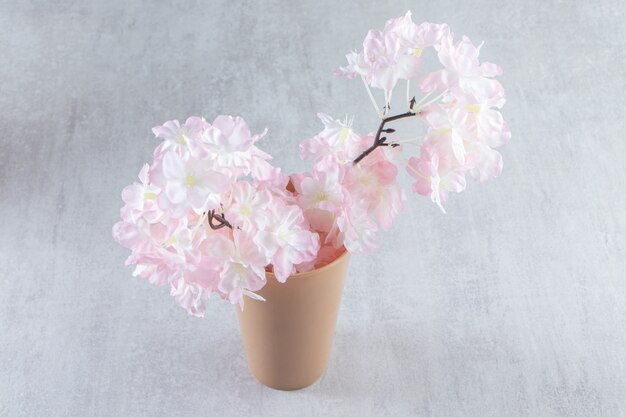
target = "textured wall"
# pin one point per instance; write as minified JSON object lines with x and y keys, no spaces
{"x":512,"y":304}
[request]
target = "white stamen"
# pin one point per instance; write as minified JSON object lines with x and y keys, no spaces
{"x":431,"y":101}
{"x":252,"y":295}
{"x":408,"y":94}
{"x":416,"y":105}
{"x":369,"y":93}
{"x":414,"y":141}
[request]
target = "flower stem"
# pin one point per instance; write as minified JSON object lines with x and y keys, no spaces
{"x":221,"y":220}
{"x":414,"y":109}
{"x":371,"y":96}
{"x":408,"y":142}
{"x":378,"y":141}
{"x":421,"y":106}
{"x":408,"y":89}
{"x":422,"y":99}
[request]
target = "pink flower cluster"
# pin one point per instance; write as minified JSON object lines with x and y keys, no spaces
{"x":463,"y":122}
{"x":211,"y":214}
{"x":394,"y":53}
{"x":343,"y":202}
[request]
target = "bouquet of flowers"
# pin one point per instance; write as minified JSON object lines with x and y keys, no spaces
{"x":210,"y":214}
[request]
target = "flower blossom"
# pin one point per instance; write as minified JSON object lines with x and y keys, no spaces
{"x":184,"y":139}
{"x":202,"y":174}
{"x":191,"y":297}
{"x":321,"y":197}
{"x":340,"y":200}
{"x":373,"y":182}
{"x":249,"y":206}
{"x":288,"y":242}
{"x":232,"y":147}
{"x":357,"y":231}
{"x":394,"y":53}
{"x":463,"y":119}
{"x":212,"y":215}
{"x":336,"y":144}
{"x":463,"y":74}
{"x":437,"y":171}
{"x":243,"y":269}
{"x":141,"y":199}
{"x":416,"y":37}
{"x":381,"y":63}
{"x":190,"y":184}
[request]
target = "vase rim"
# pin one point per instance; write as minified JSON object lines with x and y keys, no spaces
{"x":316,"y":270}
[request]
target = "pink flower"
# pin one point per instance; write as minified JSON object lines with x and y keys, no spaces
{"x":212,"y":215}
{"x":321,"y":197}
{"x":358,"y":232}
{"x":201,"y":167}
{"x":287,"y":242}
{"x":190,"y":184}
{"x":183,"y":139}
{"x":466,"y":131}
{"x":326,"y":254}
{"x":337,"y":141}
{"x":141,"y":200}
{"x":243,"y":265}
{"x":377,"y":63}
{"x":490,"y":127}
{"x":249,"y":206}
{"x":483,"y":162}
{"x":413,"y":39}
{"x":154,"y":270}
{"x":232,"y":146}
{"x":453,"y":121}
{"x":264,"y":173}
{"x":393,"y":53}
{"x":373,"y":182}
{"x":416,"y":37}
{"x":128,"y":234}
{"x":191,"y":297}
{"x":436,"y":173}
{"x":179,"y":246}
{"x":145,"y":240}
{"x":462,"y":73}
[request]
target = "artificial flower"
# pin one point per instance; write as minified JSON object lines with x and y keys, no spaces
{"x":211,"y":214}
{"x":287,"y":242}
{"x":190,"y":184}
{"x":185,"y":139}
{"x":462,"y":74}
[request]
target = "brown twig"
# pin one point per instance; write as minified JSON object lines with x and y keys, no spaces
{"x":381,"y":141}
{"x":221,"y":220}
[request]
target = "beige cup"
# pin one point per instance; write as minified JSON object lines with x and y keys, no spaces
{"x":288,"y":337}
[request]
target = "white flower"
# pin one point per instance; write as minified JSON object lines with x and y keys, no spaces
{"x":185,"y":139}
{"x":287,"y":241}
{"x":190,"y":184}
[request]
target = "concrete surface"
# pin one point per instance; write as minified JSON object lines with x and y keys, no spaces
{"x":512,"y":304}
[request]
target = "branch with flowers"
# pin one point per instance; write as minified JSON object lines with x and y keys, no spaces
{"x":211,"y":215}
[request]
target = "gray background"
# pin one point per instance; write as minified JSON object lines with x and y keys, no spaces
{"x":512,"y":304}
